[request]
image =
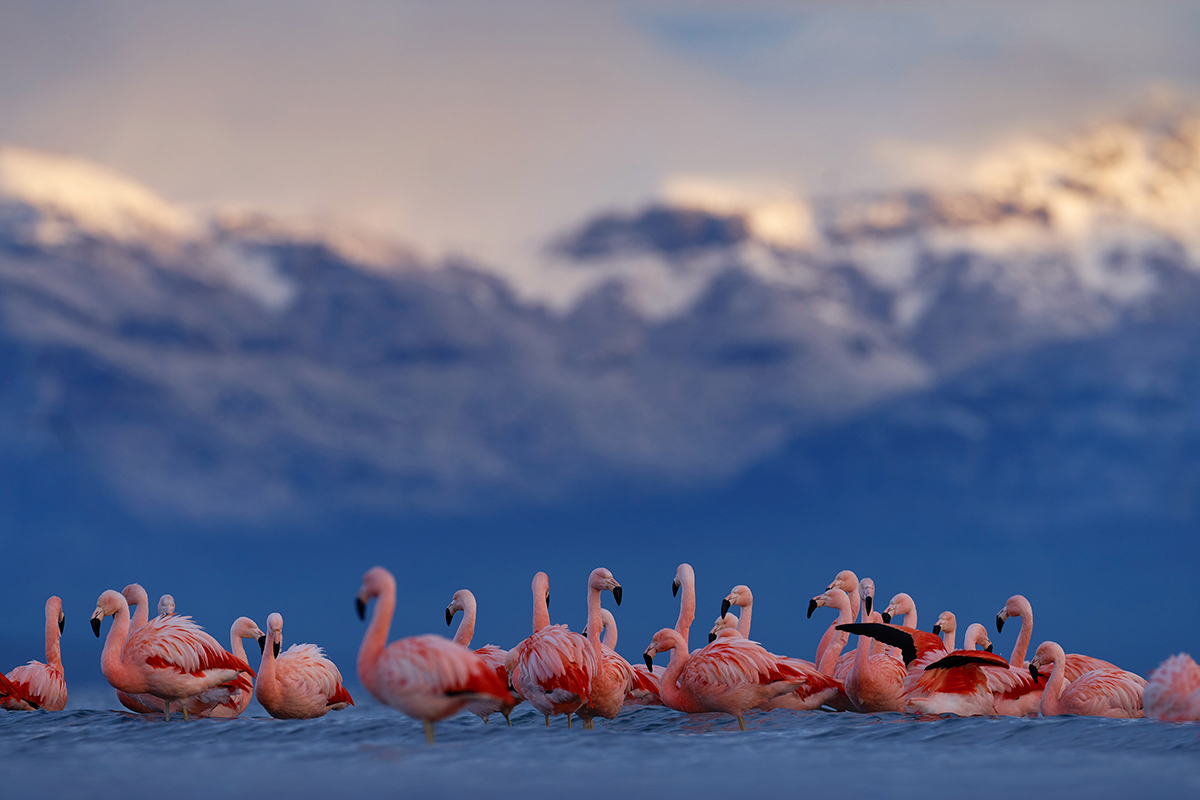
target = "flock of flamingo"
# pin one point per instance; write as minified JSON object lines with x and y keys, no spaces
{"x":169,"y":660}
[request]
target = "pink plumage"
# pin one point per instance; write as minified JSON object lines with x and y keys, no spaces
{"x":1173,"y":692}
{"x":37,"y":684}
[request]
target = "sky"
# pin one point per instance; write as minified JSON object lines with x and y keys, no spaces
{"x":484,"y":128}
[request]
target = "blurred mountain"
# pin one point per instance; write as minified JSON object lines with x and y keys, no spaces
{"x":1023,"y":344}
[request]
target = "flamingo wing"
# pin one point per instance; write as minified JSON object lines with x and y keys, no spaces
{"x":175,"y":642}
{"x":40,"y":686}
{"x":644,"y":689}
{"x":306,"y":668}
{"x":1105,"y":692}
{"x":435,"y":665}
{"x":954,"y":673}
{"x":559,"y":662}
{"x":1078,"y":665}
{"x":913,"y":644}
{"x":734,"y":660}
{"x":1174,"y":690}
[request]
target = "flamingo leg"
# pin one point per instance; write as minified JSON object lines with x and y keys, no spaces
{"x":184,"y":705}
{"x":167,"y":710}
{"x":509,"y":720}
{"x":428,"y":731}
{"x":741,"y":722}
{"x":547,"y":720}
{"x":568,"y":721}
{"x":485,"y":720}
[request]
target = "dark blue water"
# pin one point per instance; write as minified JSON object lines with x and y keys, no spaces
{"x":93,"y":752}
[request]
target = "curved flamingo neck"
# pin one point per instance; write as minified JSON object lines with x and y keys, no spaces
{"x":687,"y":605}
{"x":668,"y":684}
{"x":141,"y":601}
{"x":111,"y":665}
{"x":235,"y":644}
{"x":374,"y":639}
{"x":1017,"y":659}
{"x":837,"y":642}
{"x":1051,"y":703}
{"x":267,"y":683}
{"x":594,"y":622}
{"x":862,"y":656}
{"x":948,"y":638}
{"x":855,"y":604}
{"x":610,"y":636}
{"x":541,"y":611}
{"x":743,"y":626}
{"x":53,"y":650}
{"x":466,"y":627}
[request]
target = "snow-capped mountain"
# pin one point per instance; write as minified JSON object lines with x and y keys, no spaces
{"x":234,"y":365}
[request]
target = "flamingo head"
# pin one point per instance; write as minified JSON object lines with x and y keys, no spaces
{"x":724,"y":622}
{"x":376,"y":582}
{"x":246,"y":628}
{"x":541,"y":587}
{"x":901,"y":604}
{"x":135,"y":595}
{"x":1017,"y":606}
{"x":601,"y":580}
{"x":845,"y":580}
{"x":665,"y":640}
{"x":275,"y":633}
{"x":739,"y":596}
{"x":947,"y":623}
{"x":166,"y":605}
{"x":976,"y":636}
{"x":461,"y":600}
{"x":109,"y":603}
{"x":683,"y":574}
{"x":866,"y":593}
{"x":54,"y":611}
{"x":1047,"y":653}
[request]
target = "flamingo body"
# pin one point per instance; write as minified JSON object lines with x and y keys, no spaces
{"x":1099,"y":693}
{"x":300,"y":682}
{"x":37,"y":684}
{"x":1173,"y":692}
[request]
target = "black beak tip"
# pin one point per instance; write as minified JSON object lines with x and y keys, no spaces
{"x":617,"y":594}
{"x":547,"y":600}
{"x":712,"y":637}
{"x":449,"y":617}
{"x":360,"y":607}
{"x":674,"y":588}
{"x":999,"y":624}
{"x":275,"y":648}
{"x":62,"y":623}
{"x":937,"y":630}
{"x":812,"y":606}
{"x":886,"y":617}
{"x":1033,"y":673}
{"x":988,"y":649}
{"x":262,"y":644}
{"x":724,"y":606}
{"x":868,"y":602}
{"x":96,"y":627}
{"x":649,"y":661}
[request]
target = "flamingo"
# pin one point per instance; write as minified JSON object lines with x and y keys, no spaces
{"x":9,"y":693}
{"x":612,"y":679}
{"x":817,"y":690}
{"x":239,"y":697}
{"x":946,"y":626}
{"x":685,"y":579}
{"x":427,"y":677}
{"x":552,"y":669}
{"x":300,"y":682}
{"x":38,"y":685}
{"x":171,"y":658}
{"x":166,"y":605}
{"x":1076,"y":664}
{"x":848,"y":582}
{"x":1173,"y":693}
{"x":726,"y":625}
{"x":135,"y":595}
{"x":494,"y":656}
{"x":902,"y":605}
{"x":837,"y":599}
{"x":731,"y":675}
{"x":875,"y":682}
{"x":1099,"y":693}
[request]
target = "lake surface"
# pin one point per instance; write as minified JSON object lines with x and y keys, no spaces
{"x":90,"y":751}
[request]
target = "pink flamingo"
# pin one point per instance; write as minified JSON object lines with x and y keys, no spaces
{"x":875,"y":682}
{"x":9,"y":693}
{"x":1173,"y":692}
{"x":646,"y":682}
{"x":836,"y":639}
{"x":38,"y":685}
{"x":946,"y":626}
{"x":1098,"y":693}
{"x":492,"y":655}
{"x":232,"y":702}
{"x":902,"y":605}
{"x":553,"y":668}
{"x":817,"y":690}
{"x":426,"y":677}
{"x":171,"y":658}
{"x":612,"y":679}
{"x":166,"y":605}
{"x":135,"y":595}
{"x":848,"y":582}
{"x":300,"y":682}
{"x":731,"y":675}
{"x":1076,"y":664}
{"x":956,"y":681}
{"x":726,"y":625}
{"x":643,"y":689}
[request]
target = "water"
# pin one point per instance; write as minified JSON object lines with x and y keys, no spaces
{"x":89,"y":753}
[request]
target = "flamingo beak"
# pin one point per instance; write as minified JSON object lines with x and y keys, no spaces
{"x":617,"y":593}
{"x":886,"y":617}
{"x":712,"y":637}
{"x":360,"y":607}
{"x":1000,"y":623}
{"x":262,"y":643}
{"x":1033,"y":671}
{"x":868,"y":601}
{"x":649,"y":657}
{"x":449,"y":617}
{"x":275,"y":648}
{"x":812,"y":606}
{"x":725,"y":607}
{"x":937,"y":629}
{"x":62,"y":623}
{"x":988,"y":649}
{"x":96,"y":626}
{"x":674,"y":587}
